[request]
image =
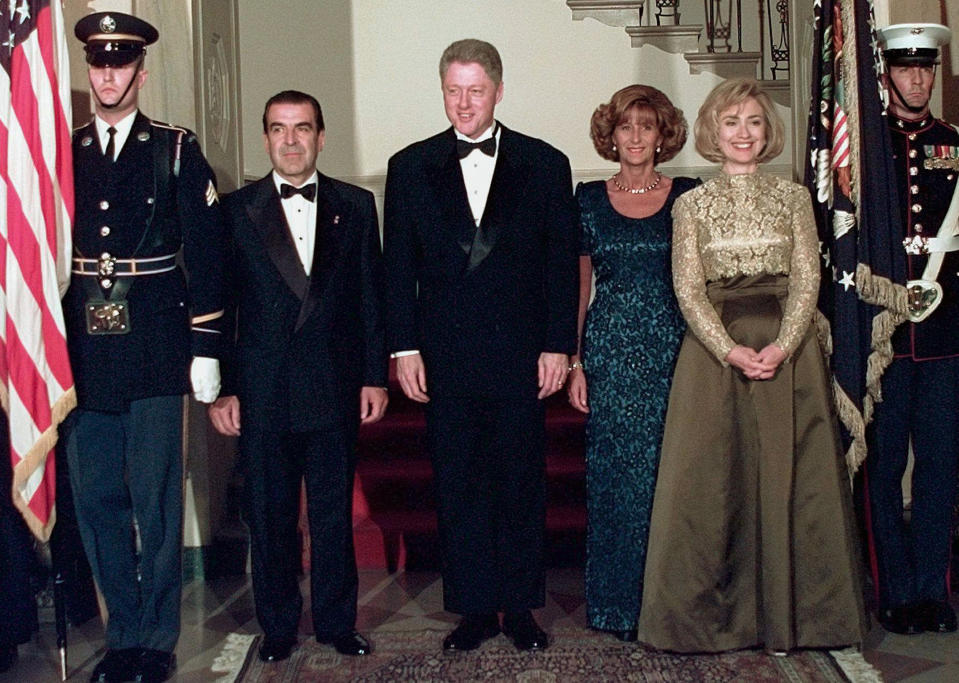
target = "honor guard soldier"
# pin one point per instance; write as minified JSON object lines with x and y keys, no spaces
{"x":144,"y":195}
{"x":920,"y":389}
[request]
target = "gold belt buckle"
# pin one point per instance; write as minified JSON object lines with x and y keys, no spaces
{"x":107,"y":317}
{"x":915,"y":245}
{"x":106,"y":265}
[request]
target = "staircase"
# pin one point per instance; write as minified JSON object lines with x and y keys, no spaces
{"x":714,"y":45}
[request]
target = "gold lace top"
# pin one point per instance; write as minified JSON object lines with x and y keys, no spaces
{"x":745,"y":225}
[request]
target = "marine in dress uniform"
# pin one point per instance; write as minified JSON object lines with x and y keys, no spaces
{"x":920,"y":388}
{"x":144,"y":195}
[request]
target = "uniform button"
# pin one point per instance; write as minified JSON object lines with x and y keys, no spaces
{"x":912,"y":136}
{"x":914,"y":189}
{"x":912,"y":154}
{"x":105,"y":255}
{"x":104,"y":205}
{"x":106,"y":283}
{"x":104,"y":231}
{"x":950,"y":176}
{"x":149,"y":200}
{"x":913,"y":170}
{"x":916,"y":208}
{"x":917,"y":227}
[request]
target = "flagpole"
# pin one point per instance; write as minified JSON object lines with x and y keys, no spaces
{"x":60,"y":617}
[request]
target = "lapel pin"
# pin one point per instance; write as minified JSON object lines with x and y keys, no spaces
{"x":143,"y":136}
{"x":87,"y":141}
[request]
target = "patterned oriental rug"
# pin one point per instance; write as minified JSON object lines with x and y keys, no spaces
{"x":574,"y":655}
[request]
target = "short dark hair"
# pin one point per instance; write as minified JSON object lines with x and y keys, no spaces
{"x":670,"y":121}
{"x":471,"y":50}
{"x":295,"y":97}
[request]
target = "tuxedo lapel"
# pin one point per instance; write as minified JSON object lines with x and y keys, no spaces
{"x":331,"y":220}
{"x":452,"y":205}
{"x":266,"y":215}
{"x":508,"y":183}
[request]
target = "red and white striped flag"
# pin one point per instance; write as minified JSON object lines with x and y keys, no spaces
{"x":36,"y":214}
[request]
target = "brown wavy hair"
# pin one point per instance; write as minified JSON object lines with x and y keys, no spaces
{"x":669,"y":120}
{"x":733,"y":93}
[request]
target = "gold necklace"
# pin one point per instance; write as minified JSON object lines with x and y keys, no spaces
{"x":637,"y":190}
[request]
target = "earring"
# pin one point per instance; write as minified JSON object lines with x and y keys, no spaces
{"x":614,"y":146}
{"x":658,"y":150}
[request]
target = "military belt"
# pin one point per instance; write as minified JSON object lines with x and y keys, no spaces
{"x":107,"y":266}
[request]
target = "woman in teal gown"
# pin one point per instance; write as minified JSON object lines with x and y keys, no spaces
{"x":630,"y":337}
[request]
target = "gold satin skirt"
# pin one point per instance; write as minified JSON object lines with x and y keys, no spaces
{"x":752,"y":540}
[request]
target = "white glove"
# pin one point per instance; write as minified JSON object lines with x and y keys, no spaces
{"x":205,"y":378}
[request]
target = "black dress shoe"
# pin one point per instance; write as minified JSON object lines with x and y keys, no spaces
{"x":276,"y":649}
{"x":470,"y":633}
{"x":523,"y":630}
{"x":904,"y":619}
{"x":117,"y":666}
{"x":156,"y":666}
{"x":8,"y":655}
{"x":937,"y":616}
{"x":348,"y":643}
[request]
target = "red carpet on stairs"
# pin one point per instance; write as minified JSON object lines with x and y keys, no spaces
{"x":394,"y":510}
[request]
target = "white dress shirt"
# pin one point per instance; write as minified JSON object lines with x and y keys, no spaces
{"x":478,"y":171}
{"x":301,"y":219}
{"x":123,"y":128}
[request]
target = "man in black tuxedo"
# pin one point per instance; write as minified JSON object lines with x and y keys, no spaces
{"x":481,"y":242}
{"x":309,"y":364}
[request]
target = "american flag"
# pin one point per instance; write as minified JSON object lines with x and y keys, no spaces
{"x":36,"y":214}
{"x":849,"y":173}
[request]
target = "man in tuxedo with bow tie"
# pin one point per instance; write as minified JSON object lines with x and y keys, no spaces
{"x":308,"y":365}
{"x":481,"y":243}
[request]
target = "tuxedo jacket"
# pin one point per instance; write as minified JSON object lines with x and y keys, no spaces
{"x":481,"y":304}
{"x":304,"y":345}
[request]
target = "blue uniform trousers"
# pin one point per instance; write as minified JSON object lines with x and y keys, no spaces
{"x":125,"y":467}
{"x":921,"y":400}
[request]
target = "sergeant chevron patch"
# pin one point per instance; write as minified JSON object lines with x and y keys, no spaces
{"x":211,"y":195}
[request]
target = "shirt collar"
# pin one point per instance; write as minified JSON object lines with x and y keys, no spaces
{"x":488,"y":133}
{"x":123,"y":128}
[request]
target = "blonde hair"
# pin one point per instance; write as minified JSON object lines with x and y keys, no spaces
{"x":729,"y":94}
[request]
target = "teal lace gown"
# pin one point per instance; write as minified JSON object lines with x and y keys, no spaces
{"x":631,"y":337}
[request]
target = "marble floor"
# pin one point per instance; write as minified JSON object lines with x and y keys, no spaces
{"x":407,"y":600}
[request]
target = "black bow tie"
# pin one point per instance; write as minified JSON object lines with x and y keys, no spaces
{"x":308,"y":191}
{"x":487,"y":147}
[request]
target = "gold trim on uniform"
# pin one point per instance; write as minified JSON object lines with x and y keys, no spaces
{"x":196,"y":320}
{"x":211,"y":196}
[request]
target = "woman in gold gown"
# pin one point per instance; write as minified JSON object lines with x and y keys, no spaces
{"x":751,"y":539}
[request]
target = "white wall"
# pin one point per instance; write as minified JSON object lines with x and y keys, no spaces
{"x":373,"y":66}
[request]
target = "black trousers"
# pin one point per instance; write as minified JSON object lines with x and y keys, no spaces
{"x":274,"y":465}
{"x":125,"y":467}
{"x":489,"y":466}
{"x":18,"y":606}
{"x":921,"y":400}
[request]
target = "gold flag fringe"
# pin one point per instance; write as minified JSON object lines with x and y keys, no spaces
{"x":36,"y":458}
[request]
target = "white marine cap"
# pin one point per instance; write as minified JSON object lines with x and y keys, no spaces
{"x":913,"y":43}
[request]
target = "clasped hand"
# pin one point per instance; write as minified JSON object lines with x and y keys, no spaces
{"x":756,"y":365}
